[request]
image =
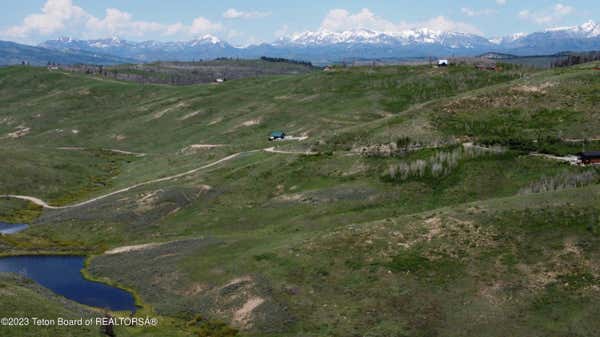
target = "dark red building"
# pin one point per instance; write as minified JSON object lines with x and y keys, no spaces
{"x":590,"y":157}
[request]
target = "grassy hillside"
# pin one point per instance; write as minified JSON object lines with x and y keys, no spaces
{"x":23,"y":298}
{"x":419,"y":211}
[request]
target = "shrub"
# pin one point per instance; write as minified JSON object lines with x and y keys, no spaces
{"x":440,"y":164}
{"x":210,"y":328}
{"x":562,"y":181}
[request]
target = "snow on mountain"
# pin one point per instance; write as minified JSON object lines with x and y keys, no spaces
{"x":325,"y":46}
{"x":370,"y":37}
{"x":207,"y":46}
{"x":507,"y":39}
{"x":327,"y":37}
{"x":115,"y":42}
{"x":589,"y":29}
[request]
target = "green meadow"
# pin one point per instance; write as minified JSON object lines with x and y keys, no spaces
{"x":406,"y":203}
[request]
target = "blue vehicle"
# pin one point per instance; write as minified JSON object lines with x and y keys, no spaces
{"x":277,"y":135}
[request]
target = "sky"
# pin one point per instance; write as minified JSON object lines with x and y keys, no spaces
{"x":249,"y":22}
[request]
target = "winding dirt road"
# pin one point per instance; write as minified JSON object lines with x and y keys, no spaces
{"x":44,"y":204}
{"x":76,"y":148}
{"x":305,"y":153}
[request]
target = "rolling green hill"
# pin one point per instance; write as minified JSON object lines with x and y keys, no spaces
{"x":406,"y":203}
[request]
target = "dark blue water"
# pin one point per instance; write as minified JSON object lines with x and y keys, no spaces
{"x":62,"y":274}
{"x":9,"y":228}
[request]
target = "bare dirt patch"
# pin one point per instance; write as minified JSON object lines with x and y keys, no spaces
{"x":572,"y":248}
{"x":327,"y":195}
{"x":458,"y":235}
{"x":163,"y":112}
{"x":251,"y":122}
{"x":20,"y":132}
{"x":134,"y":248}
{"x":7,"y":121}
{"x":533,"y":89}
{"x":216,"y":121}
{"x":189,"y":115}
{"x":242,"y":316}
{"x":148,"y":201}
{"x":237,"y":281}
{"x":305,"y":153}
{"x":199,"y":147}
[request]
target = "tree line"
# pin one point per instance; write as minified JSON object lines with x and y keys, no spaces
{"x":284,"y":60}
{"x":574,"y":59}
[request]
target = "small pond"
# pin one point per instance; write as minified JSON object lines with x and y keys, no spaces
{"x":8,"y":228}
{"x":62,"y":274}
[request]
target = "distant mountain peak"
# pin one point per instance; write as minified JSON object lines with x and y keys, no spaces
{"x":591,"y":27}
{"x":209,"y":38}
{"x":507,"y":39}
{"x":588,"y":29}
{"x":64,"y":39}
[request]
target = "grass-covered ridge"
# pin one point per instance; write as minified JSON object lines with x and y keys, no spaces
{"x":419,"y":211}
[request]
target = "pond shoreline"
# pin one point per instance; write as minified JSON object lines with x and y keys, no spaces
{"x":136,"y":302}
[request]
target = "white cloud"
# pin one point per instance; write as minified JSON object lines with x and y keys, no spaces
{"x":174,"y":29}
{"x":233,"y":13}
{"x":64,"y":18}
{"x":116,"y":22}
{"x":473,"y":12}
{"x":444,"y":24}
{"x":341,"y":20}
{"x":201,"y":25}
{"x":501,"y":2}
{"x":547,"y":16}
{"x":562,"y":10}
{"x":54,"y":16}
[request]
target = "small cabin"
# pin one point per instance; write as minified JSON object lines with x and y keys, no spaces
{"x":443,"y":63}
{"x":277,"y":135}
{"x":590,"y":157}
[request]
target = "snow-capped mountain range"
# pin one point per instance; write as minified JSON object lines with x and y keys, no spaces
{"x":323,"y":46}
{"x":365,"y":36}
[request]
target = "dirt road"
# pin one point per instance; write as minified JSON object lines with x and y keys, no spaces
{"x":44,"y":204}
{"x":76,"y":148}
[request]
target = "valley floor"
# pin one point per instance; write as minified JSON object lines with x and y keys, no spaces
{"x":409,"y":205}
